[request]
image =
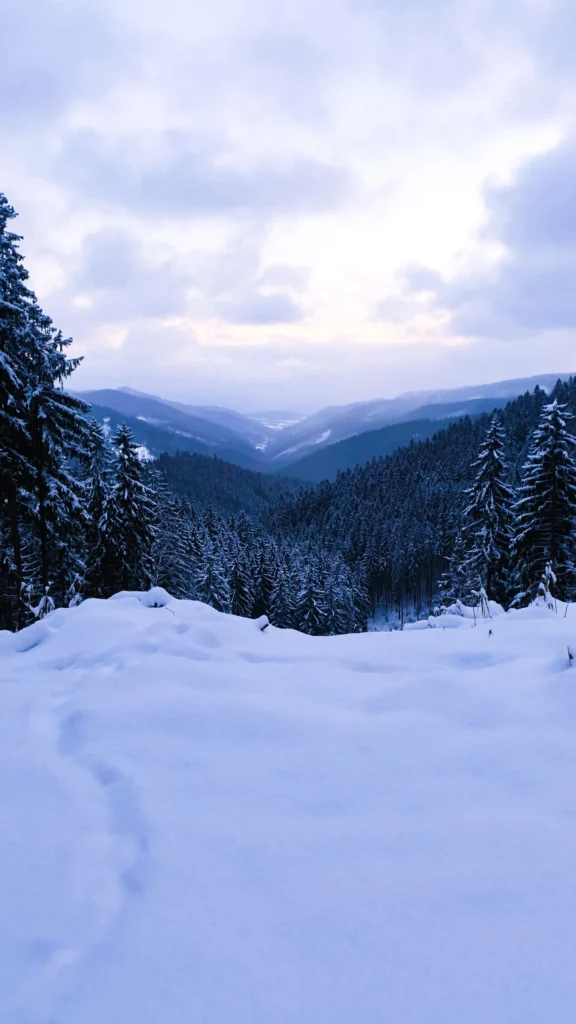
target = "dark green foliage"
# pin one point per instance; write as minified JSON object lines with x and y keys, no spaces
{"x":42,"y":430}
{"x":229,"y":488}
{"x":545,"y":512}
{"x":311,"y":612}
{"x":241,"y":584}
{"x":127,"y":526}
{"x":283,"y":594}
{"x":211,"y":583}
{"x":264,"y":570}
{"x":487,"y":522}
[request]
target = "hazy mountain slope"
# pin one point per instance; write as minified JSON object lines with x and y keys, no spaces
{"x":336,"y":423}
{"x":272,"y":442}
{"x":158,"y":439}
{"x":256,"y":434}
{"x":209,"y":432}
{"x":357,"y":450}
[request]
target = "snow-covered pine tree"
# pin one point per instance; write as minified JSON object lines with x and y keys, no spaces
{"x":265,"y":569}
{"x":350,"y":605}
{"x":487,"y":519}
{"x":43,"y":428}
{"x":240,"y":583}
{"x":245,"y":530}
{"x":127,"y":525}
{"x":169,"y":555}
{"x":458,"y":582}
{"x":59,"y":431}
{"x":15,"y":441}
{"x":545,"y":512}
{"x":282,"y":597}
{"x":211,"y":585}
{"x":310,"y":613}
{"x":361,"y":601}
{"x":97,"y":482}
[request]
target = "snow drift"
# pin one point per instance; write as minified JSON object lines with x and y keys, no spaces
{"x":207,"y":823}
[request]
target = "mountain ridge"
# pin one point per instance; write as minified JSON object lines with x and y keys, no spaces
{"x":276,"y":442}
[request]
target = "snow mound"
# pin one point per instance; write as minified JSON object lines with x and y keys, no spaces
{"x":205,"y":823}
{"x":157,"y":597}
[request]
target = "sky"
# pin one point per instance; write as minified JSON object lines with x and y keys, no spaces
{"x":294,"y":205}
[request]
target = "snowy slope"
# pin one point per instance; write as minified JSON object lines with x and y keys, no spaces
{"x":207,"y":824}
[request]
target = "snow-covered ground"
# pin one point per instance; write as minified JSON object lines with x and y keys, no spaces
{"x":202,"y":823}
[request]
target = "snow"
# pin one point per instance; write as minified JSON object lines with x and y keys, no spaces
{"x":280,"y":424}
{"x":144,"y":453}
{"x":309,"y":443}
{"x":204,"y":822}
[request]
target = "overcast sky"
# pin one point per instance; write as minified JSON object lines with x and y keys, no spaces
{"x":290,"y":205}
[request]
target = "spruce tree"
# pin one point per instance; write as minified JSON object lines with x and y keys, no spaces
{"x":59,"y":433}
{"x":169,"y":553}
{"x":15,"y":441}
{"x":487,"y":524}
{"x":282,"y":598}
{"x":97,"y":482}
{"x":127,"y":526}
{"x":545,"y":512}
{"x":311,"y":613}
{"x":42,"y":431}
{"x":240,"y":583}
{"x":264,"y":569}
{"x":211,"y":583}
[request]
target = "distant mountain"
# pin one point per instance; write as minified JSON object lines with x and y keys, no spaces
{"x":162,"y":426}
{"x":325,"y":463}
{"x":357,"y":450}
{"x":156,"y":439}
{"x":336,"y":423}
{"x":254,"y":433}
{"x":281,"y":441}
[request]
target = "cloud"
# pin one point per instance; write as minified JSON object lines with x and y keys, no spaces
{"x":531,"y":288}
{"x":186,"y":174}
{"x":261,"y":309}
{"x":54,"y":53}
{"x":286,"y":276}
{"x":112,"y":282}
{"x":227,"y":170}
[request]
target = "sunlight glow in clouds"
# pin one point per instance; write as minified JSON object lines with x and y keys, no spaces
{"x":238,"y":203}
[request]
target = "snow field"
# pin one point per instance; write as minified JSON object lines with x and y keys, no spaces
{"x":203,"y":823}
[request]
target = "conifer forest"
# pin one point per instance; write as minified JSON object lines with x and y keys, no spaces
{"x":484,"y":509}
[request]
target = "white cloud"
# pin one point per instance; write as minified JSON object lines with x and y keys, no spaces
{"x":217,"y":173}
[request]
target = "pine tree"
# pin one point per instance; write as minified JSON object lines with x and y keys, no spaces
{"x":350,"y":605}
{"x":240,"y":583}
{"x":265,"y":569}
{"x":169,"y":555}
{"x":545,"y":512}
{"x":15,"y":441}
{"x":59,"y":431}
{"x":311,"y":613}
{"x":98,"y":481}
{"x":487,"y":519}
{"x":42,"y":429}
{"x":127,"y":526}
{"x":211,"y":583}
{"x":282,"y":598}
